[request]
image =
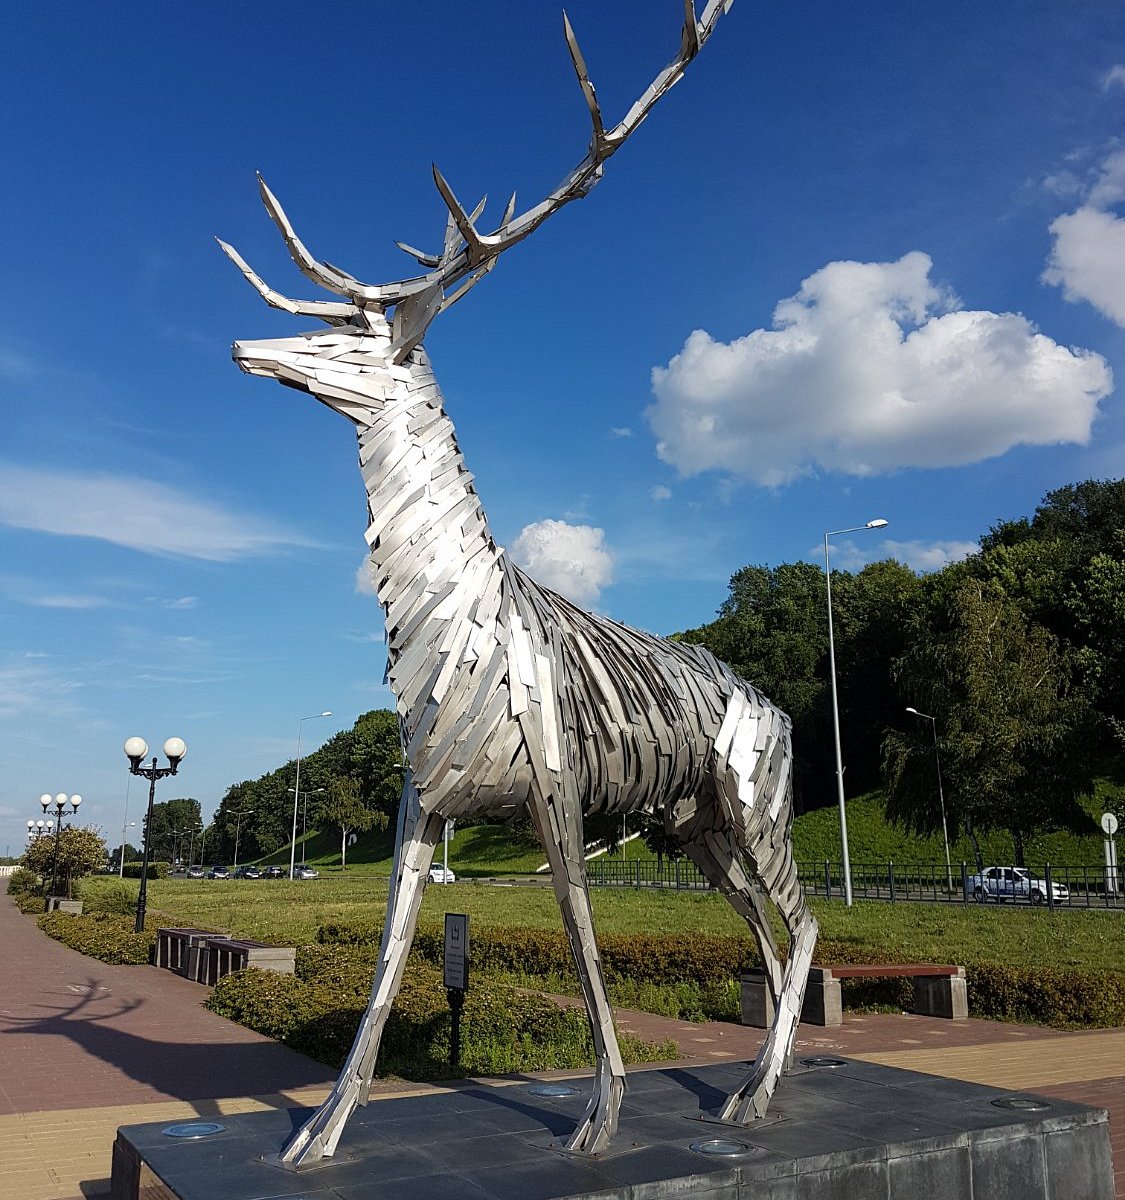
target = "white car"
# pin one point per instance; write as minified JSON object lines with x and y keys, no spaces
{"x":440,"y":874}
{"x":304,"y":871}
{"x":1012,"y":883}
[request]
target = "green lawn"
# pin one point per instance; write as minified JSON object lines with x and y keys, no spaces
{"x":289,"y":913}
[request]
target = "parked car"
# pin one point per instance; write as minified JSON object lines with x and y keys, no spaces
{"x":304,"y":871}
{"x":195,"y":871}
{"x":440,"y":874}
{"x":218,"y":872}
{"x":1012,"y":883}
{"x":273,"y":873}
{"x":248,"y":872}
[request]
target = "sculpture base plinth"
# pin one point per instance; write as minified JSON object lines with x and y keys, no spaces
{"x":837,"y":1130}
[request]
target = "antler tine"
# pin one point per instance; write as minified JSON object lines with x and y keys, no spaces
{"x":327,"y":310}
{"x":585,"y":83}
{"x":320,"y":273}
{"x":427,"y":260}
{"x":464,"y":221}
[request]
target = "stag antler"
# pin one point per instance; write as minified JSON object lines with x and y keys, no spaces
{"x":468,"y":255}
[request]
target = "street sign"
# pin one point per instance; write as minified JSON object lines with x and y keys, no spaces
{"x":457,"y":951}
{"x":1109,"y":823}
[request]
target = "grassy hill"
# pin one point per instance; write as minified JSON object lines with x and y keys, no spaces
{"x":482,"y":850}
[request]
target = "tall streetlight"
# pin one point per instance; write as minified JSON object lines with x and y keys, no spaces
{"x":297,"y":789}
{"x":193,"y":829}
{"x":60,"y":802}
{"x":941,"y":795}
{"x":305,"y":808}
{"x":247,"y":812}
{"x":177,"y":833}
{"x":878,"y":523}
{"x":121,"y":854}
{"x":125,"y":825}
{"x":135,"y":749}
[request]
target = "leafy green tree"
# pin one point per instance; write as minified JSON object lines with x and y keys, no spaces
{"x":344,"y":810}
{"x":81,"y":852}
{"x":1012,"y":732}
{"x":170,"y":818}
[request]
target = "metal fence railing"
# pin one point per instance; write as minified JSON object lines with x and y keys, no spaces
{"x":1046,"y":885}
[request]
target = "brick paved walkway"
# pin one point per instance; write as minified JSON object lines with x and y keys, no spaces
{"x":86,"y":1047}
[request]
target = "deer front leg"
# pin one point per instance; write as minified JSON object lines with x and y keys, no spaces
{"x":418,"y":834}
{"x":568,"y":872}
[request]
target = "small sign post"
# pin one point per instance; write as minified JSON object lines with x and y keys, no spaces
{"x":456,"y":977}
{"x":1109,"y":828}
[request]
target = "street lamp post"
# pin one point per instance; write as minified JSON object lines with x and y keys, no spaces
{"x":135,"y":749}
{"x":238,"y":829}
{"x":125,"y":825}
{"x":192,"y":831}
{"x":941,"y":795}
{"x":305,"y":808}
{"x":176,"y":833}
{"x":878,"y":523}
{"x":121,"y":854}
{"x":297,"y":789}
{"x":60,"y":802}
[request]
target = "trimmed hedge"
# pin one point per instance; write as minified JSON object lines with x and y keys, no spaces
{"x":156,"y":870}
{"x":105,"y":936}
{"x":503,"y":1029}
{"x":1060,"y":997}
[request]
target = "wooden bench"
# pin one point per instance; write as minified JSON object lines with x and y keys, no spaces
{"x":939,"y":991}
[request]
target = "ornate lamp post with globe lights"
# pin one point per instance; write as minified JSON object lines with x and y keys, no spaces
{"x":60,"y":802}
{"x":135,"y":750}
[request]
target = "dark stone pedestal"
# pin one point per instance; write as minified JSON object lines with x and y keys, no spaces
{"x":853,"y":1131}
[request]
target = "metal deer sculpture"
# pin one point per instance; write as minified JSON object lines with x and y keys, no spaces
{"x":509,"y":696}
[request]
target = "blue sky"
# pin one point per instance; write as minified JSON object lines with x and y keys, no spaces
{"x":864,"y":261}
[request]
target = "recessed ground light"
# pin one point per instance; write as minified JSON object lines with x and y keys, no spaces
{"x":721,"y":1148}
{"x":823,"y":1062}
{"x":552,"y":1089}
{"x":1021,"y":1103}
{"x":193,"y":1129}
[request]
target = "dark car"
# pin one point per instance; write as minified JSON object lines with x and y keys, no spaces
{"x":248,"y":873}
{"x":274,"y":873}
{"x":218,"y":872}
{"x":195,"y":872}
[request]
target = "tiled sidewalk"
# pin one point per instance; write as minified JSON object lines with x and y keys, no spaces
{"x":86,"y":1047}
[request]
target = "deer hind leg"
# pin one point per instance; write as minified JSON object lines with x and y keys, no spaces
{"x":417,"y":835}
{"x":755,"y":831}
{"x":562,"y":841}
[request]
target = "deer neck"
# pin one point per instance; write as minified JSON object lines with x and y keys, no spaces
{"x":432,"y":553}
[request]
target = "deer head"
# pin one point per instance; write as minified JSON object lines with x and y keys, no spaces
{"x":388,"y":321}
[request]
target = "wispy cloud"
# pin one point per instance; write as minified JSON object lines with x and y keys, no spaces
{"x":178,"y":604}
{"x":850,"y":555}
{"x":69,"y":601}
{"x":660,"y":492}
{"x":620,"y":431}
{"x":27,"y":688}
{"x":1113,"y":78}
{"x":138,"y":513}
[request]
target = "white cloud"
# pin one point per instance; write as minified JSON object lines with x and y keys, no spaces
{"x":365,"y":578}
{"x":572,"y":559}
{"x":870,"y":368}
{"x":660,"y":492}
{"x":137,"y":513}
{"x":928,"y":556}
{"x":1113,"y":78}
{"x":620,"y":431}
{"x":1087,"y":258}
{"x":182,"y":602}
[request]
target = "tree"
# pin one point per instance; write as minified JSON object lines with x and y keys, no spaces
{"x":345,"y":811}
{"x":1012,"y":732}
{"x":81,"y":852}
{"x":170,"y":819}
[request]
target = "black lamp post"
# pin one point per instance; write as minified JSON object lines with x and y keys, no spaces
{"x":135,"y":750}
{"x":60,"y":802}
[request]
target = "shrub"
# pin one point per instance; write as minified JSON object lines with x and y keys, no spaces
{"x":110,"y":896}
{"x":503,"y":1030}
{"x":156,"y":870}
{"x":105,"y":936}
{"x":28,"y":902}
{"x":23,"y":881}
{"x":692,"y":976}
